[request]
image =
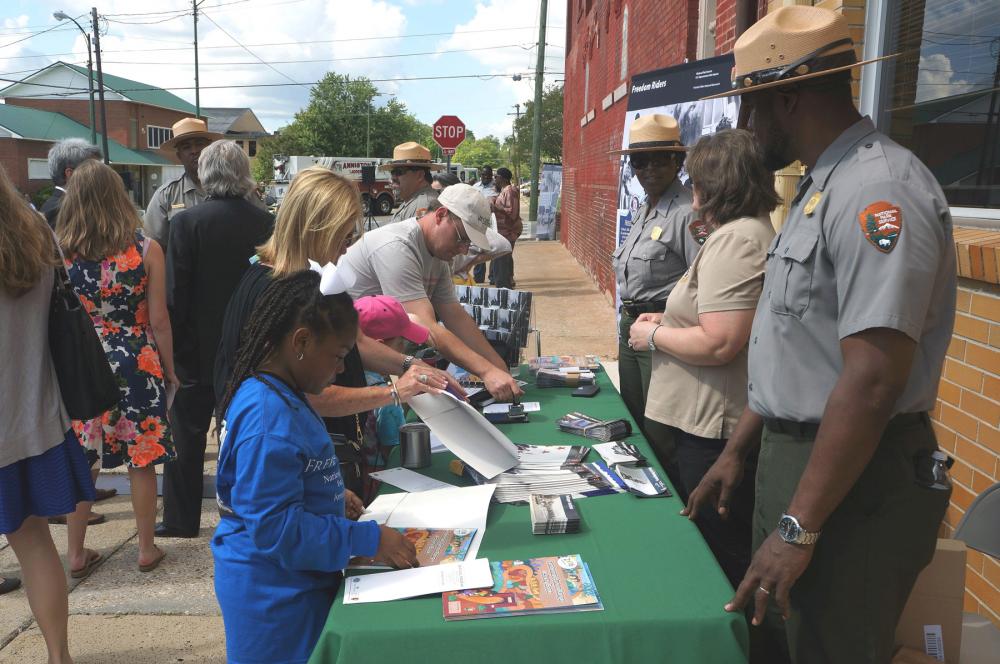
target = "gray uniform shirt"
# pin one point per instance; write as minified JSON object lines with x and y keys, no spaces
{"x":658,"y":249}
{"x":172,"y":197}
{"x":867,"y":244}
{"x":394,"y":260}
{"x":416,"y":205}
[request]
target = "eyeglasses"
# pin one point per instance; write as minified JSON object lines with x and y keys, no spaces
{"x":463,"y":240}
{"x":645,"y":160}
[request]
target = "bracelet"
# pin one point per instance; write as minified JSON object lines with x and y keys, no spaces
{"x":649,"y":341}
{"x":394,"y":394}
{"x":407,"y":363}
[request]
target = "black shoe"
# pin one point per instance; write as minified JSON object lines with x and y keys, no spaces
{"x":9,"y":584}
{"x":166,"y":531}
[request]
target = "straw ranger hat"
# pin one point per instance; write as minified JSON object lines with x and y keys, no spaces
{"x":653,"y":133}
{"x":792,"y":44}
{"x":410,"y":154}
{"x":189,"y":128}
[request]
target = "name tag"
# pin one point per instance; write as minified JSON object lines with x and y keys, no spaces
{"x":177,"y":206}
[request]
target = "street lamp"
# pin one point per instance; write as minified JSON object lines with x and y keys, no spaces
{"x":62,"y":16}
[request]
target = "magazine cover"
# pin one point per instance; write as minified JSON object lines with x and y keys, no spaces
{"x":523,"y":587}
{"x":435,"y":546}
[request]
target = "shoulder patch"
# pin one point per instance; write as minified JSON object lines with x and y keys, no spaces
{"x":881,"y":223}
{"x":699,"y":231}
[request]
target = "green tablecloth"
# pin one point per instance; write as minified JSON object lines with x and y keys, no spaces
{"x":662,"y":590}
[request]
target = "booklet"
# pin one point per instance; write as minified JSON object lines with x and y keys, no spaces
{"x":619,"y":451}
{"x":553,"y":515}
{"x":435,"y":546}
{"x":556,"y":584}
{"x":403,"y":583}
{"x":642,"y":481}
{"x":590,"y":427}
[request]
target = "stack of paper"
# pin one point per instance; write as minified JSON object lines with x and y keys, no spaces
{"x":590,"y":427}
{"x":558,"y":378}
{"x":553,"y":515}
{"x":525,"y":587}
{"x":581,"y":480}
{"x":549,"y":457}
{"x":570,"y":362}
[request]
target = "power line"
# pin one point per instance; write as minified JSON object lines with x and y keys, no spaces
{"x":57,"y":26}
{"x":269,"y":65}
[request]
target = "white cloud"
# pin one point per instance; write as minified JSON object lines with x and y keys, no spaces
{"x":937,"y":79}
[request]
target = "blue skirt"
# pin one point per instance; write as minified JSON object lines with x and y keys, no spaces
{"x":47,"y":484}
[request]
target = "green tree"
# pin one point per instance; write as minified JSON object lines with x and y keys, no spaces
{"x":552,"y":127}
{"x":479,"y":152}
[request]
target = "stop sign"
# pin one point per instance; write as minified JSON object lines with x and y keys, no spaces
{"x":449,"y":131}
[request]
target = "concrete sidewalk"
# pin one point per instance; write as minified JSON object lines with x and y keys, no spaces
{"x":121,"y":616}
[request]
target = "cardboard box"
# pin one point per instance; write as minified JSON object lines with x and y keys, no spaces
{"x":935,"y":604}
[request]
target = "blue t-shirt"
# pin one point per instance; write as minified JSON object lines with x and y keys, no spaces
{"x":284,"y":538}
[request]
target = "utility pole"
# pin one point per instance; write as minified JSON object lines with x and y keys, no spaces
{"x":536,"y":140}
{"x":517,"y":149}
{"x":63,"y":16}
{"x":197,"y":91}
{"x":100,"y":85}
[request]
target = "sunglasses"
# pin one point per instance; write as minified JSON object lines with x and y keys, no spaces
{"x":641,"y":161}
{"x":399,"y":171}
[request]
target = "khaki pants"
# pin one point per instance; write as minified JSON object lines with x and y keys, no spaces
{"x":845,"y":607}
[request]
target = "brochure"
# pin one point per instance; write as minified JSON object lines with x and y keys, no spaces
{"x":524,"y":587}
{"x":435,"y":546}
{"x":619,"y":451}
{"x":403,"y":583}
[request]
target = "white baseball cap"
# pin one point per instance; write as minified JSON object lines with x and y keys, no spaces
{"x":472,"y":208}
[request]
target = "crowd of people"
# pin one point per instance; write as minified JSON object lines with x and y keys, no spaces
{"x":783,"y":380}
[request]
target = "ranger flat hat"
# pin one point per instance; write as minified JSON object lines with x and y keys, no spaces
{"x":653,"y":133}
{"x":410,"y":153}
{"x":792,"y":44}
{"x":189,"y":128}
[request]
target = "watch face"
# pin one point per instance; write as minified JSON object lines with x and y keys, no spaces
{"x":788,"y":529}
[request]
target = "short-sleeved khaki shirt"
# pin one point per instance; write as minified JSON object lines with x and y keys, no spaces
{"x":171,"y":198}
{"x":867,"y":244}
{"x":658,"y":249}
{"x":727,"y":275}
{"x":417,"y":204}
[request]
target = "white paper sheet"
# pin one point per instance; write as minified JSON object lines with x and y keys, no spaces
{"x":437,"y":445}
{"x":456,"y":507}
{"x":466,"y":432}
{"x":408,"y":480}
{"x":419,"y":581}
{"x":529,"y":407}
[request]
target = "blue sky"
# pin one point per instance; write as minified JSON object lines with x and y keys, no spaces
{"x":490,"y":38}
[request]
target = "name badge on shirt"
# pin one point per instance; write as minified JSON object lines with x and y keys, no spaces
{"x":657,"y":232}
{"x":813,"y":202}
{"x":177,"y":206}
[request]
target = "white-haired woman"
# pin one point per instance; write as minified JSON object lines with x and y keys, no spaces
{"x":209,"y":250}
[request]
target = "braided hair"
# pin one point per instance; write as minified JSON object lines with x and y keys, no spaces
{"x":287,"y":303}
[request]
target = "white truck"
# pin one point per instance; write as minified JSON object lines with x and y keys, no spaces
{"x":377,"y":197}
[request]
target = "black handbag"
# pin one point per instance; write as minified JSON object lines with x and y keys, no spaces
{"x":88,"y":386}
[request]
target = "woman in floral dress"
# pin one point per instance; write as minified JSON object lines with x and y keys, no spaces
{"x":119,"y":277}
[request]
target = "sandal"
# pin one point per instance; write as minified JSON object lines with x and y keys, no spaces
{"x":104,"y":494}
{"x":94,"y":559}
{"x":9,"y":584}
{"x":94,"y":519}
{"x":149,"y":567}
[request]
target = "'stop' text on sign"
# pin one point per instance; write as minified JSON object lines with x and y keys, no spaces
{"x":449,"y":131}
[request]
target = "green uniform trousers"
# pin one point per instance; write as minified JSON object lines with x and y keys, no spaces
{"x":634,"y":369}
{"x":845,"y":607}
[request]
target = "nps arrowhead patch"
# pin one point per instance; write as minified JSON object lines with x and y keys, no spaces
{"x":882,"y":222}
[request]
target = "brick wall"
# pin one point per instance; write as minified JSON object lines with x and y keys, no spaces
{"x":14,"y":155}
{"x":127,"y":120}
{"x":967,"y":416}
{"x":661,"y":33}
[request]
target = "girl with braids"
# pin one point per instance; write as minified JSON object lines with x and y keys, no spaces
{"x":43,"y":471}
{"x":285,"y":534}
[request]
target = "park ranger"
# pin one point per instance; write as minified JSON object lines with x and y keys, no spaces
{"x":411,"y":168}
{"x":845,"y":357}
{"x":654,"y":255}
{"x":190,"y":137}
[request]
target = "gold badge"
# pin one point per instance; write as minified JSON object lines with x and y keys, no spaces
{"x":813,"y":202}
{"x":657,"y":232}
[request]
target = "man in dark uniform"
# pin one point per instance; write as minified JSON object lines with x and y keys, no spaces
{"x":845,"y":358}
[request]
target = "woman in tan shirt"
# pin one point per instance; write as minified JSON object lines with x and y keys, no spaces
{"x":698,"y":386}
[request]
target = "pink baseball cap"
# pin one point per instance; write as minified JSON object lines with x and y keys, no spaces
{"x":383,"y":317}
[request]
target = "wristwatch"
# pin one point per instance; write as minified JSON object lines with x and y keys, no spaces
{"x":407,"y":363}
{"x":649,"y":340}
{"x":790,"y":531}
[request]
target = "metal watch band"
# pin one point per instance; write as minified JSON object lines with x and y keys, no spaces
{"x":407,"y":363}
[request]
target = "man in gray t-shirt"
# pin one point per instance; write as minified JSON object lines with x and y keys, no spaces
{"x":411,"y":261}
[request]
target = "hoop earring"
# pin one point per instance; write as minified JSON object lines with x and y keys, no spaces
{"x":301,"y":355}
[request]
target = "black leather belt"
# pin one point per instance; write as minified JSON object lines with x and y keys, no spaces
{"x":811,"y":429}
{"x":633,"y":309}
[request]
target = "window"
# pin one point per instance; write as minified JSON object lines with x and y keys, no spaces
{"x":240,"y":143}
{"x":624,"y":67}
{"x":38,"y":169}
{"x":940,"y":98}
{"x":157,"y":136}
{"x":252,"y":148}
{"x":706,"y":29}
